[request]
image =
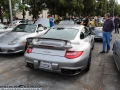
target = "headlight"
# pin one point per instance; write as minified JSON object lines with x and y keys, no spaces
{"x":24,"y":43}
{"x":14,"y":41}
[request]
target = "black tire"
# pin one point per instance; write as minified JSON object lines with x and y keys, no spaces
{"x":88,"y":64}
{"x":29,"y":65}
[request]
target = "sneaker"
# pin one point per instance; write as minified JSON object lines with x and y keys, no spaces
{"x":102,"y":52}
{"x":107,"y":51}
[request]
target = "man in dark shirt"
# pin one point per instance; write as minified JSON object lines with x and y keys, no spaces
{"x":85,"y":22}
{"x":117,"y":22}
{"x":108,"y":27}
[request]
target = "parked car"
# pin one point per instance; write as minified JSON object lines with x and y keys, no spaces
{"x":30,"y":22}
{"x":4,"y":28}
{"x":116,"y":52}
{"x":66,"y":22}
{"x":98,"y":33}
{"x":78,"y":21}
{"x":65,"y":49}
{"x":18,"y":22}
{"x":15,"y":41}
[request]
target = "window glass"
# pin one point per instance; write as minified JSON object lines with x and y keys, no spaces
{"x":61,"y":33}
{"x":66,"y":22}
{"x":85,"y":32}
{"x":25,"y":28}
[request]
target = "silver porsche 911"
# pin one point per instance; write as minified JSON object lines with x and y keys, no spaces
{"x":98,"y":33}
{"x":15,"y":41}
{"x":65,"y":49}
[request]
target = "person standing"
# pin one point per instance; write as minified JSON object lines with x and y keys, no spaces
{"x":86,"y":21}
{"x":52,"y":21}
{"x":108,"y":27}
{"x":49,"y":20}
{"x":117,"y":22}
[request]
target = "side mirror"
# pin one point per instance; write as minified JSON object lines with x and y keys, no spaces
{"x":5,"y":27}
{"x":82,"y":36}
{"x":40,"y":29}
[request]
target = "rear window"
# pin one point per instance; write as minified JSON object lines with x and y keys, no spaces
{"x":66,"y":22}
{"x":66,"y":33}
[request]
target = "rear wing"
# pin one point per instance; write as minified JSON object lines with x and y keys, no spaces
{"x":49,"y":42}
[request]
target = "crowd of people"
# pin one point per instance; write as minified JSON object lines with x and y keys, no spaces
{"x":108,"y":23}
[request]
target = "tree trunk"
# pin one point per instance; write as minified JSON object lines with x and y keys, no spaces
{"x":1,"y":15}
{"x":23,"y":10}
{"x":23,"y":15}
{"x":53,"y":8}
{"x":34,"y":13}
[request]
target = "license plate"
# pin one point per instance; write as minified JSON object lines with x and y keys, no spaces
{"x":46,"y":65}
{"x":100,"y":35}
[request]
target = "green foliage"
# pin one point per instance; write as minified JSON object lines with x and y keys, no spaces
{"x":61,"y":7}
{"x":74,"y":7}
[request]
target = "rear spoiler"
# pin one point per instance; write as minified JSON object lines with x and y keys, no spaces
{"x":29,"y":40}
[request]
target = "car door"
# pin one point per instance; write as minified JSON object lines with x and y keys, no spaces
{"x":87,"y":35}
{"x":118,"y":53}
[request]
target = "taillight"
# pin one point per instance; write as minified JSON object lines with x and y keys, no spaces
{"x":73,"y":54}
{"x":29,"y":49}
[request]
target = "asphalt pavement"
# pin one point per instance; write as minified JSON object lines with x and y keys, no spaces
{"x":103,"y":74}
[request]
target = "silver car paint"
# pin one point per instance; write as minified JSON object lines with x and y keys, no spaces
{"x":56,"y":57}
{"x":98,"y":33}
{"x":116,"y":52}
{"x":19,"y":47}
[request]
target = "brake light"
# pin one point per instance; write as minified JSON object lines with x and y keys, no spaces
{"x":29,"y":49}
{"x":73,"y":54}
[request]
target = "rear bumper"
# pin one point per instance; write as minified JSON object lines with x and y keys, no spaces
{"x":58,"y":64}
{"x":9,"y":49}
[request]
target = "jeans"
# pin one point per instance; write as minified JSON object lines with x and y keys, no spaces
{"x":111,"y":36}
{"x":106,"y":40}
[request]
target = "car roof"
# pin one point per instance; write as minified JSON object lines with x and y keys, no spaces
{"x":43,"y":21}
{"x":79,"y":27}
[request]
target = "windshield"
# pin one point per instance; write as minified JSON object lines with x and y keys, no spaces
{"x":66,"y":22}
{"x":23,"y":22}
{"x":25,"y":28}
{"x":65,"y":33}
{"x":30,"y":22}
